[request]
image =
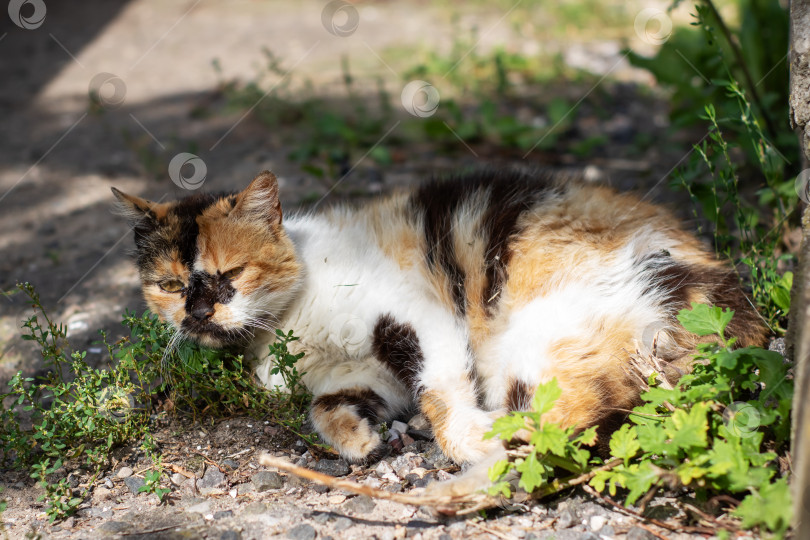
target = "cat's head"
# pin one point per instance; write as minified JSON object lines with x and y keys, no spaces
{"x":215,"y":267}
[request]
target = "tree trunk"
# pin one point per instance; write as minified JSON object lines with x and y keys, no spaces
{"x":798,"y":337}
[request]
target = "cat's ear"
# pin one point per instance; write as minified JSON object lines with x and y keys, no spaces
{"x":259,"y":200}
{"x":135,"y":208}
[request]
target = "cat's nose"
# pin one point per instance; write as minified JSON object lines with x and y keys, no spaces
{"x":202,"y":312}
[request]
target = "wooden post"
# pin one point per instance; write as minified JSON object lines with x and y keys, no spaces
{"x":798,"y":338}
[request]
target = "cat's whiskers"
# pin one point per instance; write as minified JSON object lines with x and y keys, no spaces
{"x":165,"y":372}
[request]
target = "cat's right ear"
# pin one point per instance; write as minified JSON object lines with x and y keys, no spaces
{"x":259,"y":200}
{"x":135,"y":209}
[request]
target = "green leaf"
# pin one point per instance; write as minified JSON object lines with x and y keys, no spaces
{"x":531,"y":473}
{"x":587,"y":437}
{"x":653,"y":438}
{"x":639,"y":479}
{"x":501,"y":488}
{"x":780,"y":293}
{"x":624,"y":443}
{"x":705,"y":320}
{"x":505,"y":427}
{"x":546,"y":395}
{"x":771,"y":506}
{"x":498,"y":470}
{"x":550,"y":438}
{"x":688,"y":429}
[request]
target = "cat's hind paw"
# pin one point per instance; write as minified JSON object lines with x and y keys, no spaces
{"x":343,"y":421}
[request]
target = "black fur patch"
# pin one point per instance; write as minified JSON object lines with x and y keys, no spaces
{"x":722,"y":287}
{"x":367,"y":403}
{"x":510,"y":197}
{"x":437,"y":202}
{"x":186,"y":210}
{"x":519,"y":396}
{"x":511,"y":194}
{"x":397,"y":346}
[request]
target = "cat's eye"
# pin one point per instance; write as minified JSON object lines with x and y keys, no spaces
{"x":171,"y":285}
{"x":233,"y":273}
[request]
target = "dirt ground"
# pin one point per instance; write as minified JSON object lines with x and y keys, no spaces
{"x":59,"y":157}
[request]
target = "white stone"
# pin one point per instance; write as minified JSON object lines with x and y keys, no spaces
{"x":597,"y":522}
{"x":200,"y":508}
{"x":383,"y":468}
{"x":402,"y":427}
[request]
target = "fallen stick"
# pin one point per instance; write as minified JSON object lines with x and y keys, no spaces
{"x":445,"y":504}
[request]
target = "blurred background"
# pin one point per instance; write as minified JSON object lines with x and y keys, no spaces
{"x":684,"y":103}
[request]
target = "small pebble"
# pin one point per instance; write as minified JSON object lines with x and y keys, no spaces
{"x":418,"y":422}
{"x":343,"y":523}
{"x":114,"y":527}
{"x":332,"y":467}
{"x":267,"y":480}
{"x":361,"y":504}
{"x":213,"y":478}
{"x":637,"y":533}
{"x":597,"y":522}
{"x":401,"y":427}
{"x":108,"y":483}
{"x":255,"y":508}
{"x":124,"y":472}
{"x":230,"y":463}
{"x":304,"y":531}
{"x":134,"y":484}
{"x":102,"y":493}
{"x":200,"y":508}
{"x":566,"y":519}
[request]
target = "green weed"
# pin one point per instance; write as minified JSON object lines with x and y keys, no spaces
{"x":79,"y":414}
{"x":741,"y":175}
{"x":720,"y":430}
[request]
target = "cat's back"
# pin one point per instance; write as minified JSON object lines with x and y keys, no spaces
{"x":491,"y":242}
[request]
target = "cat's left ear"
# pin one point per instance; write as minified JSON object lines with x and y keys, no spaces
{"x":260,"y":200}
{"x":135,"y":208}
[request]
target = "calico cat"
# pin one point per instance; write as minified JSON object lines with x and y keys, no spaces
{"x":458,"y":298}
